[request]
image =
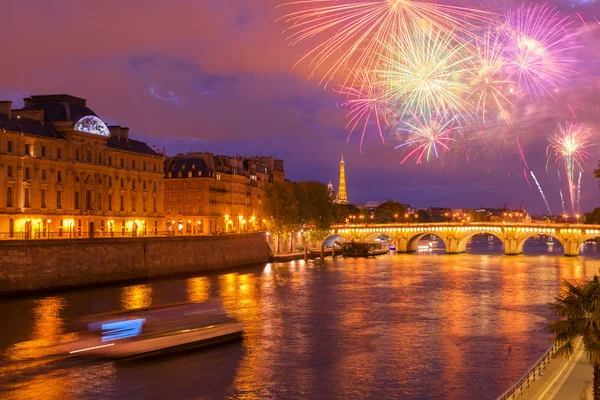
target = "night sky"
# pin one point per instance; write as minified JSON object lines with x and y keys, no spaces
{"x":218,"y":76}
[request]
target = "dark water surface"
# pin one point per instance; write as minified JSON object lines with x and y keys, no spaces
{"x":417,"y":326}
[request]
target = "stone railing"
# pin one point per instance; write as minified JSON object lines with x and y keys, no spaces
{"x":530,"y":376}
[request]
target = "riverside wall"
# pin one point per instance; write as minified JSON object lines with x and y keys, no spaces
{"x":35,"y":265}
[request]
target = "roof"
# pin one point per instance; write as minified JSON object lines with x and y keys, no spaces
{"x":59,"y":107}
{"x":186,"y":164}
{"x":134,"y":146}
{"x":28,"y":126}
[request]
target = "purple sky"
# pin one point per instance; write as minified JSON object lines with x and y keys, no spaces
{"x":218,"y":76}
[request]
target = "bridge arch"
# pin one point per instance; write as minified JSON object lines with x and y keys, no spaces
{"x":330,"y":240}
{"x":413,"y":241}
{"x":462,"y":244}
{"x":529,"y":235}
{"x":377,"y":235}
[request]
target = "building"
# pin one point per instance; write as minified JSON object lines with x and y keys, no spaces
{"x":209,"y":194}
{"x":342,"y":197}
{"x":64,"y":173}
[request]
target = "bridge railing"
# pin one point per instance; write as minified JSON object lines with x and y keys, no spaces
{"x":530,"y":376}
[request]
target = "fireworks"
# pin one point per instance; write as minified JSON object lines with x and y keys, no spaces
{"x":542,"y":193}
{"x":355,"y":31}
{"x":537,"y":42}
{"x":488,"y":83}
{"x":428,"y":138}
{"x":569,"y":145}
{"x":422,"y":72}
{"x":366,"y":100}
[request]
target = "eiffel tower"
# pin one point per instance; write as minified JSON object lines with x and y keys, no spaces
{"x":342,"y":198}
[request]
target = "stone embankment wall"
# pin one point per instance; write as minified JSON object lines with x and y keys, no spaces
{"x":32,"y":265}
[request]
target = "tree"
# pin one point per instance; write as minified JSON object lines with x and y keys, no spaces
{"x":280,"y":208}
{"x":315,"y":207}
{"x":578,"y":306}
{"x":389,"y":211}
{"x":597,"y":172}
{"x":593,"y":217}
{"x":423,"y":216}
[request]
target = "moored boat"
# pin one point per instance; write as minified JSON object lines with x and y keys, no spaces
{"x":363,"y":249}
{"x":151,"y":330}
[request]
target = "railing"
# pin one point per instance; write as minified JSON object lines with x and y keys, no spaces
{"x":530,"y":376}
{"x":66,"y":234}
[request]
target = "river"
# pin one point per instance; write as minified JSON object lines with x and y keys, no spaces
{"x":405,"y":326}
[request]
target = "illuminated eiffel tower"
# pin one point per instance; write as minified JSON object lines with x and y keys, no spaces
{"x":342,"y":198}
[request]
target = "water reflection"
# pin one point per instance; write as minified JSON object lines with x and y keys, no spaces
{"x":412,"y":326}
{"x":137,"y":296}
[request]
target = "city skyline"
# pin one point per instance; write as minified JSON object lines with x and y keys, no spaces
{"x":153,"y":72}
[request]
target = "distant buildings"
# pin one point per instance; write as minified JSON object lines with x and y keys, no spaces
{"x":208,"y":194}
{"x":64,"y":173}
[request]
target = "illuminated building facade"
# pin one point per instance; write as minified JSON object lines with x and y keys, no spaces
{"x":208,"y":194}
{"x":342,"y":198}
{"x":64,"y":173}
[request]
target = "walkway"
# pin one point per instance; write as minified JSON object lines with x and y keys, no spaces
{"x":564,"y":380}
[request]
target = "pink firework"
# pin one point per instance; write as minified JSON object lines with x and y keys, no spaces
{"x":428,"y":137}
{"x":538,"y":40}
{"x":367,"y":102}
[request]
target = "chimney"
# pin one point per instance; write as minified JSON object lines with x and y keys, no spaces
{"x":5,"y":107}
{"x":125,"y":134}
{"x":115,"y":131}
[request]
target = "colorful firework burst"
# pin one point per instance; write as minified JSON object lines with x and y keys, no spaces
{"x":422,"y":73}
{"x":489,"y":84}
{"x":428,"y":137}
{"x":569,"y":144}
{"x":358,"y":29}
{"x":538,"y":40}
{"x":367,"y":102}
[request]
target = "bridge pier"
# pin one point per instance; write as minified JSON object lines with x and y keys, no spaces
{"x":571,"y":247}
{"x":453,"y":245}
{"x":511,"y":247}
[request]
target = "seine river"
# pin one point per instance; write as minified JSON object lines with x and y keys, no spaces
{"x":411,"y":326}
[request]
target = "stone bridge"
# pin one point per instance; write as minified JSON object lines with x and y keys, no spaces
{"x":456,"y":235}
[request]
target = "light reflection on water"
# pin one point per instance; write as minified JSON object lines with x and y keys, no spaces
{"x":428,"y":325}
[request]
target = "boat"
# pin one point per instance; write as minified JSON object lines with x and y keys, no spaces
{"x":363,"y":249}
{"x":153,"y":330}
{"x":550,"y":241}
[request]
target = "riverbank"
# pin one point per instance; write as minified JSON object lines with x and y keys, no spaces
{"x":31,"y":266}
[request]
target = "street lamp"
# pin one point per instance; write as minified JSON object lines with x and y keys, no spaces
{"x":577,"y":218}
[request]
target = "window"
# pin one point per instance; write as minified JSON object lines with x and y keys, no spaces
{"x":154,"y":167}
{"x":144,"y":204}
{"x":109,"y":160}
{"x":58,"y":176}
{"x":27,"y":149}
{"x":189,"y":174}
{"x":144,"y":165}
{"x":43,"y":151}
{"x":122,"y":183}
{"x":76,"y":202}
{"x":58,"y":199}
{"x":99,"y":158}
{"x":110,"y":202}
{"x":144,"y":184}
{"x":133,"y":203}
{"x":122,"y":162}
{"x":58,"y":152}
{"x":26,"y":173}
{"x":43,"y":174}
{"x":9,"y":146}
{"x":43,"y":198}
{"x":154,"y":184}
{"x":122,"y":204}
{"x":9,"y":171}
{"x":9,"y":196}
{"x":89,"y":156}
{"x":154,"y":204}
{"x":133,"y":184}
{"x":27,"y":196}
{"x":77,"y":155}
{"x":99,"y":201}
{"x":110,"y":181}
{"x":133,"y":164}
{"x":88,"y":200}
